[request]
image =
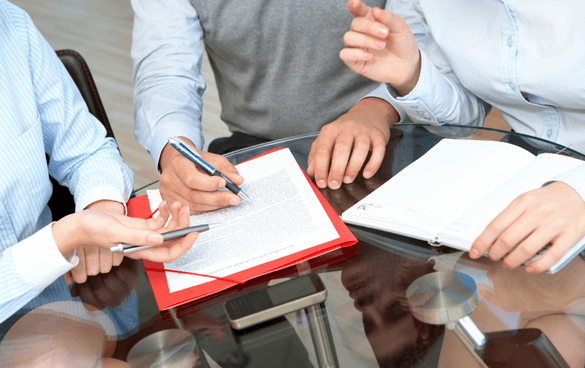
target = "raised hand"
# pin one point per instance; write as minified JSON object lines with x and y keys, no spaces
{"x":380,"y":46}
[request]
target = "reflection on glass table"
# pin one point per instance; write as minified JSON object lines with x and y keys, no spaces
{"x":99,"y":322}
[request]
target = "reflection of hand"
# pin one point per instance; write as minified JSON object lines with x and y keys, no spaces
{"x":380,"y":46}
{"x":200,"y":322}
{"x":518,"y":291}
{"x":552,"y":214}
{"x":108,"y":289}
{"x":340,"y":150}
{"x":350,"y":194}
{"x":181,"y":180}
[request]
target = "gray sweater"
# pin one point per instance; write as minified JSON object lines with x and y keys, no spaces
{"x":276,"y":63}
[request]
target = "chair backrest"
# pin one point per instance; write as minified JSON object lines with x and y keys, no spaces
{"x":61,"y":202}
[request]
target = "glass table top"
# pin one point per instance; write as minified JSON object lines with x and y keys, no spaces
{"x":366,"y":320}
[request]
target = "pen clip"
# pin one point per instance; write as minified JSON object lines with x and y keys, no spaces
{"x":185,"y":145}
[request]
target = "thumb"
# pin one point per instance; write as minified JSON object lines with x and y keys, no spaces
{"x":357,"y":8}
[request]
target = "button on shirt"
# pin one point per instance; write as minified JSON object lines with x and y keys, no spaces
{"x":524,"y":57}
{"x":43,"y":112}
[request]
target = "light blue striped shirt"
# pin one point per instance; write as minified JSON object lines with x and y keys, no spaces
{"x":43,"y":112}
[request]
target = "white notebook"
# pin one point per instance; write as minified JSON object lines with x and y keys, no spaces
{"x":450,"y":194}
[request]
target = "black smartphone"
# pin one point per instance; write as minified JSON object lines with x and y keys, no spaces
{"x":275,"y":301}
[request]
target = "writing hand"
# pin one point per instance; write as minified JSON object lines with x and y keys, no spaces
{"x":380,"y":46}
{"x":553,"y":214}
{"x":340,"y":150}
{"x":181,"y":180}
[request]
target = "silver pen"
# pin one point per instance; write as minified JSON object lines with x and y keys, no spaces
{"x":128,"y":248}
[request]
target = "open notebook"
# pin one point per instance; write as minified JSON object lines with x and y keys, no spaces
{"x":450,"y":194}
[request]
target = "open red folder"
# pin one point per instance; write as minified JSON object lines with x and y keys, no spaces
{"x":139,"y":207}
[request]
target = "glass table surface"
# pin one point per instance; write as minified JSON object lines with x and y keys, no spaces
{"x":366,"y":320}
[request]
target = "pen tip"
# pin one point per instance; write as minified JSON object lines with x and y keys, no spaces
{"x":244,"y":196}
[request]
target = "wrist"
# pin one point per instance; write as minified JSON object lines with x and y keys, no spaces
{"x":405,"y":88}
{"x":168,"y":153}
{"x":378,"y":107}
{"x":107,"y":206}
{"x":65,"y":234}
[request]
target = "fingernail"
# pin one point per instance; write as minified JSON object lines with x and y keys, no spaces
{"x":347,"y":179}
{"x":529,"y":269}
{"x":382,"y":32}
{"x":321,"y":183}
{"x":367,"y":55}
{"x":155,"y":238}
{"x":333,"y":184}
{"x":235,"y":201}
{"x":367,"y":174}
{"x":381,"y":44}
{"x":221,"y":184}
{"x":473,"y":253}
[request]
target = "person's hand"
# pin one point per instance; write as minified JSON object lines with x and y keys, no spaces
{"x":108,"y":289}
{"x":340,"y":150}
{"x":380,"y":46}
{"x":95,"y":260}
{"x":553,"y":214}
{"x":181,"y":180}
{"x":93,"y":228}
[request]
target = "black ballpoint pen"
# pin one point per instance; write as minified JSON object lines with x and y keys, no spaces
{"x":186,"y":150}
{"x":127,"y":248}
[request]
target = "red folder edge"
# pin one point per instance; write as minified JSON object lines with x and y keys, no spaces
{"x":140,"y":207}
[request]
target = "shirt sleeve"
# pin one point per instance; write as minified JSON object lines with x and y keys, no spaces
{"x":168,"y":85}
{"x":81,"y":157}
{"x":439,"y":97}
{"x":25,"y":276}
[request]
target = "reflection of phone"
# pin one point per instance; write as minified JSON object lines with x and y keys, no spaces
{"x":275,"y":301}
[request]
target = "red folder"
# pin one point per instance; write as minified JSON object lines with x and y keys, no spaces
{"x":139,"y":207}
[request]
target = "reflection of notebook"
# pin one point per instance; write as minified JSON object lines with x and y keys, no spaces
{"x":400,"y":245}
{"x":287,"y":221}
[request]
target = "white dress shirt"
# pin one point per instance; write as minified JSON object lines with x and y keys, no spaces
{"x":525,"y":57}
{"x":43,"y":112}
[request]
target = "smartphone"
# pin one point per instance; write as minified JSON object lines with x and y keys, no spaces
{"x":275,"y":301}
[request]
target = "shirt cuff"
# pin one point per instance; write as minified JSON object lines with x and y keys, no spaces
{"x":102,"y":193}
{"x":382,"y":92}
{"x":38,"y":260}
{"x":429,"y":98}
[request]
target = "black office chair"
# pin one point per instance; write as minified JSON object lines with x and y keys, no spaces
{"x":61,"y":202}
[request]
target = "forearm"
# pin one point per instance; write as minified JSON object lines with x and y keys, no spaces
{"x":380,"y":109}
{"x":168,"y":85}
{"x":439,"y":98}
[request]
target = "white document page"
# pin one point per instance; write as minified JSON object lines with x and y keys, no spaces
{"x":438,"y":187}
{"x":283,"y":217}
{"x":465,"y":229}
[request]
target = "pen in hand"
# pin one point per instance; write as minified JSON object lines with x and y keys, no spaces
{"x":128,"y":248}
{"x":187,"y":151}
